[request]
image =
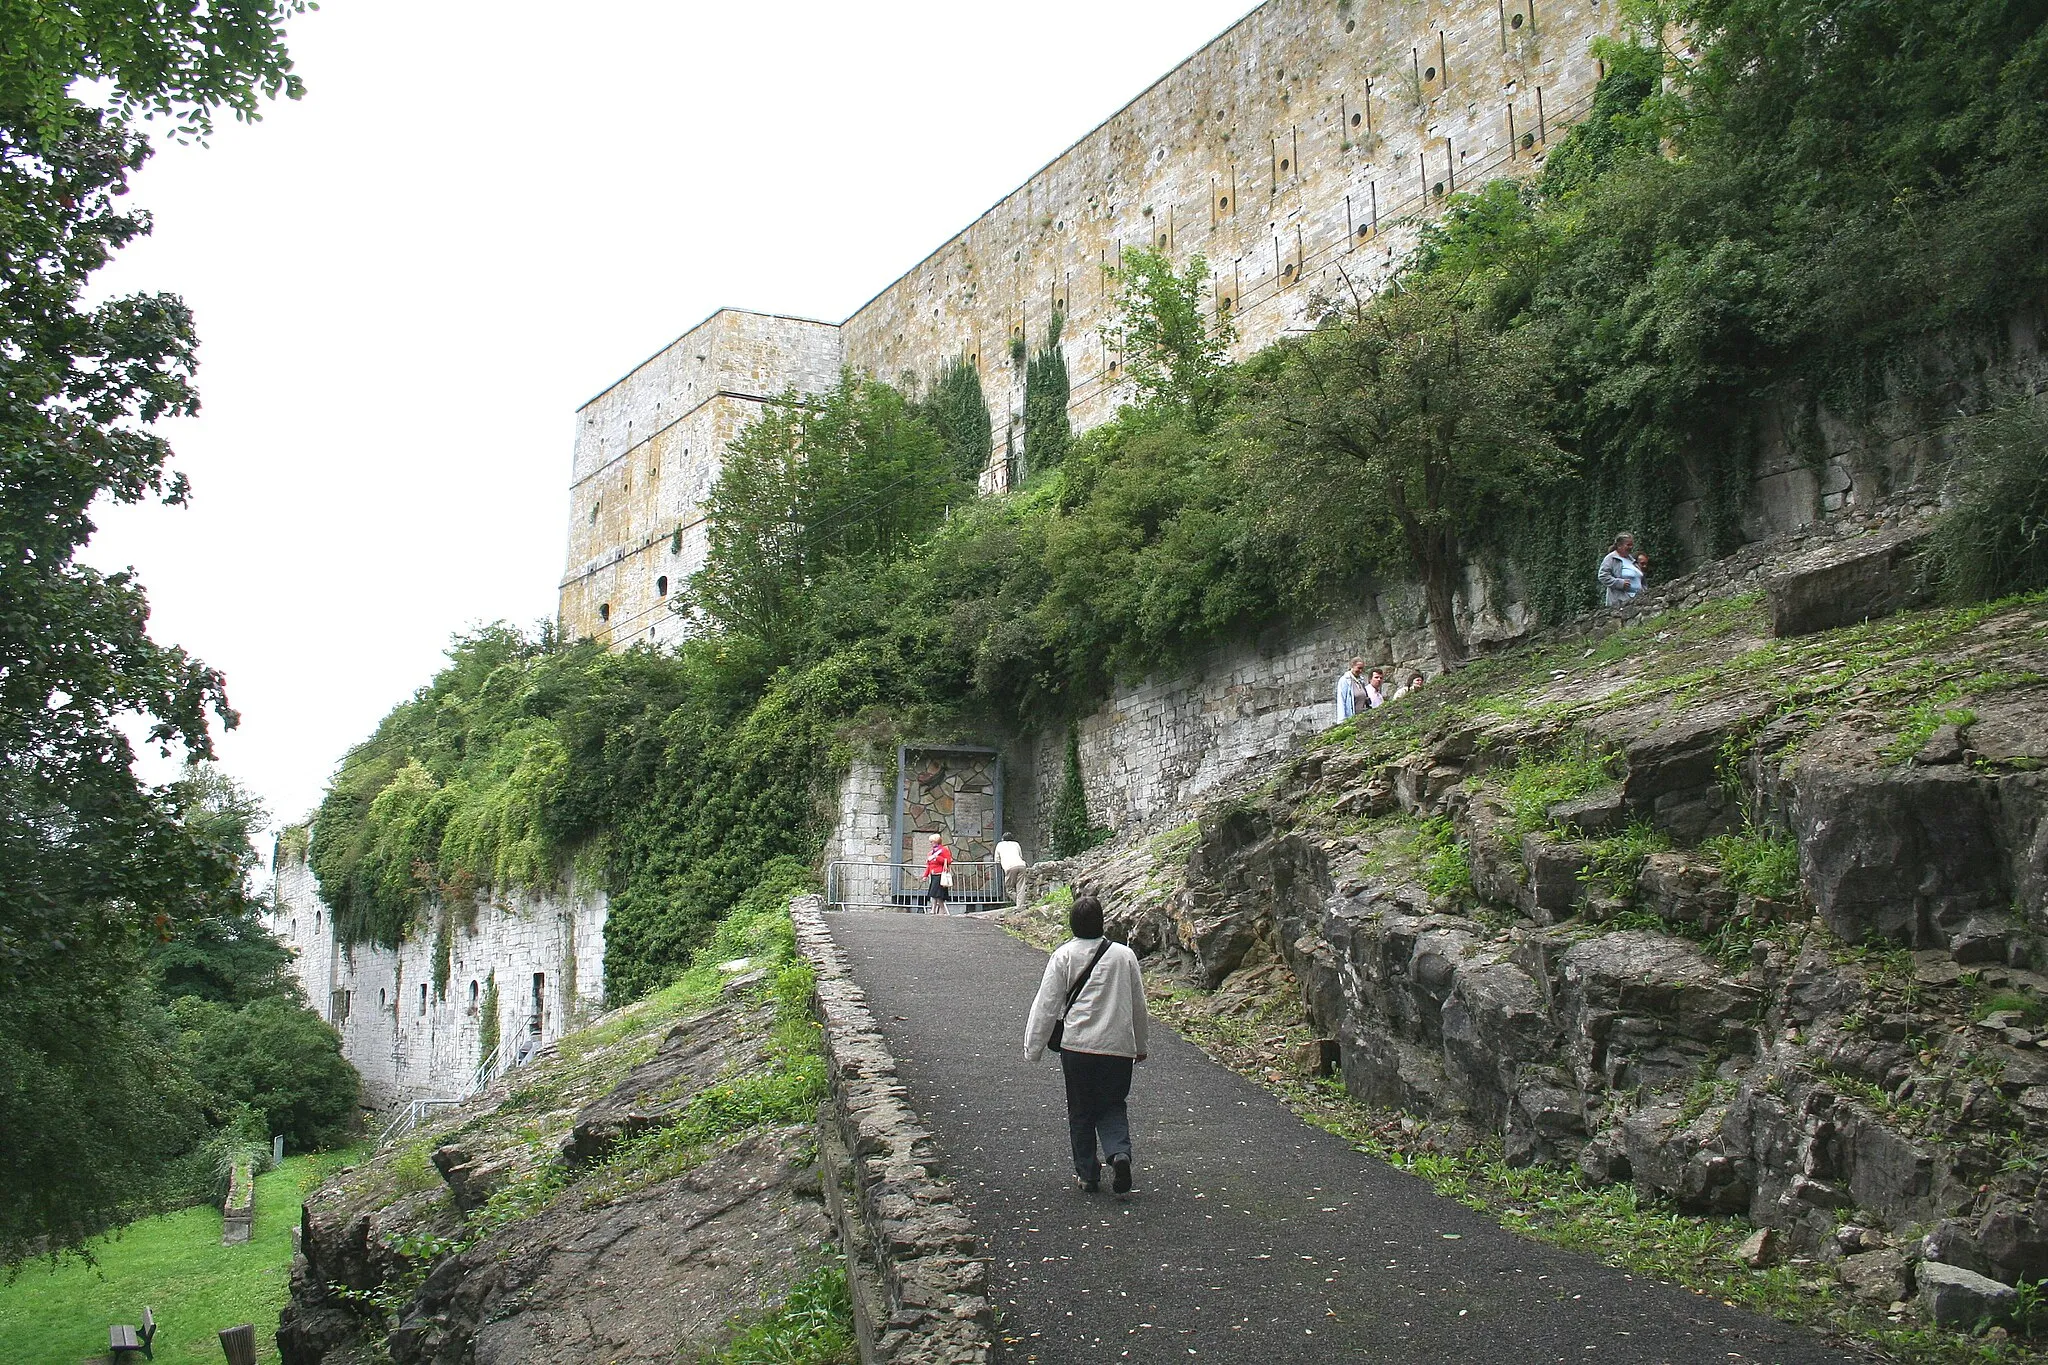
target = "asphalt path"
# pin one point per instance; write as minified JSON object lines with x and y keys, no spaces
{"x":1251,"y":1236}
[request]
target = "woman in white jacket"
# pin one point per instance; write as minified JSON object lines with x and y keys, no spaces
{"x":1094,"y":989}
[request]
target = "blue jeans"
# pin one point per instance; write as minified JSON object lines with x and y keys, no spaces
{"x":1097,"y":1086}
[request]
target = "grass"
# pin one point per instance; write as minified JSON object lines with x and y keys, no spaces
{"x":813,"y":1326}
{"x":1756,"y":863}
{"x":1534,"y":785}
{"x":1446,"y":869}
{"x":175,"y":1265}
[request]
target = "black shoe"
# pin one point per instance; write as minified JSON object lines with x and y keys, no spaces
{"x":1089,"y":1186}
{"x":1121,"y":1165}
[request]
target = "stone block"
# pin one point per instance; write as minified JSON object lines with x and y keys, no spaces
{"x":1955,"y":1297}
{"x":1843,"y":588}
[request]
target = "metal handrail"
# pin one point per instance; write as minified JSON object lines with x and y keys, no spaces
{"x":853,"y":885}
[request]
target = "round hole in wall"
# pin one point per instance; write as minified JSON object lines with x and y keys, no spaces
{"x":1356,"y":119}
{"x":1437,"y":189}
{"x":1350,"y":25}
{"x":1429,"y":73}
{"x":1224,"y":202}
{"x":1365,"y":229}
{"x":661,"y":585}
{"x":1162,"y":239}
{"x":1528,"y":141}
{"x":472,"y":994}
{"x":1285,"y":163}
{"x":1060,"y":226}
{"x":604,"y":611}
{"x":1515,"y":21}
{"x":1223,"y":304}
{"x":1281,"y":74}
{"x":1112,"y":367}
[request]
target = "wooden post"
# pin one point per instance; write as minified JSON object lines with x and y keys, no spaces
{"x":239,"y":1344}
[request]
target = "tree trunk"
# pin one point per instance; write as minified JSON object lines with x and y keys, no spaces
{"x":1438,"y":594}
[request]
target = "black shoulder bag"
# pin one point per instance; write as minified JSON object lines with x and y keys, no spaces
{"x":1059,"y":1025}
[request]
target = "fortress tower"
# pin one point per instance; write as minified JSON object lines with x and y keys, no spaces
{"x":1300,"y":153}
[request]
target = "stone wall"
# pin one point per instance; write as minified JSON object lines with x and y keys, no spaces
{"x":647,"y":451}
{"x":917,"y":1275}
{"x":1158,"y":747}
{"x":408,"y":1039}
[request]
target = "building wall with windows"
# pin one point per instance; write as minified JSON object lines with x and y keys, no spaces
{"x":414,"y":1032}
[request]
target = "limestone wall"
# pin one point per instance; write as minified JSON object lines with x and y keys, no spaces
{"x":1159,"y":747}
{"x":647,"y":452}
{"x":409,"y":1041}
{"x":1299,"y":152}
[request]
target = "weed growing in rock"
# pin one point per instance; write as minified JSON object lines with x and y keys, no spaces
{"x":1757,"y":863}
{"x":1618,"y":859}
{"x":1446,"y":868}
{"x":1534,"y":785}
{"x":813,"y":1326}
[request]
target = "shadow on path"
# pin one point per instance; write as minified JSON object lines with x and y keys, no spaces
{"x":1251,"y":1236}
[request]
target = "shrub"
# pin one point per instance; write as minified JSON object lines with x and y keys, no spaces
{"x":1993,"y":537}
{"x":279,"y":1059}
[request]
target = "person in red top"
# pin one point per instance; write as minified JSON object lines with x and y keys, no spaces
{"x":938,"y":865}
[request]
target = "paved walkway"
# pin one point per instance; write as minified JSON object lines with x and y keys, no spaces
{"x":1252,"y":1237}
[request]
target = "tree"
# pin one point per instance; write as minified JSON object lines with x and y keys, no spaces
{"x":280,"y":1059}
{"x":1409,"y":425}
{"x":219,"y":949}
{"x":850,"y":477}
{"x":958,"y":410}
{"x":1048,"y":433}
{"x":1175,"y":354}
{"x":91,"y":862}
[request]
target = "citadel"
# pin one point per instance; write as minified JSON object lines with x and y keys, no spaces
{"x":1300,"y":153}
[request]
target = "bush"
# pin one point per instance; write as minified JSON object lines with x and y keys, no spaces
{"x":279,"y":1059}
{"x":1993,"y":538}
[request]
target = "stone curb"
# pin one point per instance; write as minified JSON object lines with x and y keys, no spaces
{"x":918,"y":1275}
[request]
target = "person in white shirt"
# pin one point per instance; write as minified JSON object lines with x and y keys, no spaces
{"x":1376,"y":690}
{"x":1010,"y":857}
{"x":1620,"y":576}
{"x":1095,"y":986}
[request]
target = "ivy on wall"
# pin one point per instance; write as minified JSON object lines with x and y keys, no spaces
{"x":1047,"y":432}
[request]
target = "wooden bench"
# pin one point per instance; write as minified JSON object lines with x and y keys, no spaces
{"x":121,"y":1340}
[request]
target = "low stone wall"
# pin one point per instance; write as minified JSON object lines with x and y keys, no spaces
{"x":919,"y":1279}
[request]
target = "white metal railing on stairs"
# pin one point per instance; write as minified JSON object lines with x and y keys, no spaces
{"x":901,"y":886}
{"x":418,"y":1111}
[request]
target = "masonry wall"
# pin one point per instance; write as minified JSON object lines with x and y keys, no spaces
{"x":413,"y":1045}
{"x":1299,"y":153}
{"x":647,"y":452}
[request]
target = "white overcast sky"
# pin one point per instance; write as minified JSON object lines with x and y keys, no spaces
{"x":482,"y":214}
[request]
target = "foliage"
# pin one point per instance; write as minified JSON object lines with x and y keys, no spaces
{"x":1407,"y":425}
{"x":1072,"y":831}
{"x":812,"y":1326}
{"x":1534,"y":785}
{"x":1757,"y":863}
{"x":281,"y":1060}
{"x":220,"y":950}
{"x":958,"y":410}
{"x":1446,"y":866}
{"x":856,"y":475}
{"x":487,"y":1024}
{"x":91,"y":862}
{"x":1048,"y":435}
{"x":1992,"y":538}
{"x":1173,"y":352}
{"x":1618,"y":859}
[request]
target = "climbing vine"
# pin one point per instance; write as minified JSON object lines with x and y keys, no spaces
{"x":1047,"y":431}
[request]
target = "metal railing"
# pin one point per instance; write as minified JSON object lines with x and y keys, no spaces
{"x":417,"y":1112}
{"x":901,"y":886}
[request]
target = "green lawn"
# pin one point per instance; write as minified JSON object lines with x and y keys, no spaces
{"x":176,"y":1265}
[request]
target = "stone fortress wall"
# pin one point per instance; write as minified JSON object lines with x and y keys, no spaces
{"x":409,"y":1040}
{"x":1300,"y":153}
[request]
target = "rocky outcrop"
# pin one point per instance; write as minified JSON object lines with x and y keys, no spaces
{"x":1628,"y":980}
{"x":504,"y":1234}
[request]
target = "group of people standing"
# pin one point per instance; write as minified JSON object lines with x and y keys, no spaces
{"x":1623,"y":571}
{"x":1358,"y":690}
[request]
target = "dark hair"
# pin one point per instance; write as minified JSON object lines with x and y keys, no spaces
{"x":1084,"y":917}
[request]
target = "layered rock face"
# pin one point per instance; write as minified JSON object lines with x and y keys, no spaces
{"x":514,"y":1231}
{"x":1757,"y":924}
